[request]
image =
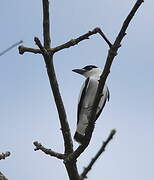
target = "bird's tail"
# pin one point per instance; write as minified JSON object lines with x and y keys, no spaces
{"x":79,"y":137}
{"x":81,"y":128}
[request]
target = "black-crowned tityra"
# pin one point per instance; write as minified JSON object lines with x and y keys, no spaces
{"x":86,"y":99}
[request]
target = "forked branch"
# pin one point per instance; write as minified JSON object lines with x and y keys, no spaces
{"x":72,"y":42}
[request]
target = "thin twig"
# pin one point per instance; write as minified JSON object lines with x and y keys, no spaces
{"x":111,"y":55}
{"x":11,"y":47}
{"x":101,"y":150}
{"x":39,"y":146}
{"x":104,"y":37}
{"x":4,"y":155}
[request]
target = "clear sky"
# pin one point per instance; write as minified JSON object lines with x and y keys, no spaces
{"x":27,"y":109}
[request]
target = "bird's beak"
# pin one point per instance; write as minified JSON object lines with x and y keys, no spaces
{"x":79,"y":71}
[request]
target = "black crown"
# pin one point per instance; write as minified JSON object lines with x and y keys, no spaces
{"x":89,"y":67}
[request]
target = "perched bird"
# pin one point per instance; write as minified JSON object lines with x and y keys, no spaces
{"x":86,"y":99}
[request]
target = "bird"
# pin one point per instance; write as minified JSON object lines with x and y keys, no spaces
{"x":86,"y":99}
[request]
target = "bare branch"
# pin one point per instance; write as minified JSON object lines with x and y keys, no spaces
{"x":4,"y":155}
{"x":104,"y":37}
{"x":68,"y":144}
{"x":39,"y":146}
{"x":111,"y":55}
{"x":81,"y":38}
{"x":46,"y":24}
{"x":53,"y":81}
{"x":11,"y":47}
{"x":23,"y":49}
{"x":101,"y":150}
{"x":48,"y":58}
{"x":73,"y":42}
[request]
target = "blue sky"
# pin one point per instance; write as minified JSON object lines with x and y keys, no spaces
{"x":27,"y":109}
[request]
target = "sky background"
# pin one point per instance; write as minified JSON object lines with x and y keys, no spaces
{"x":27,"y":109}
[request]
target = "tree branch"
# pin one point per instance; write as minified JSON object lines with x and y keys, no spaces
{"x":39,"y":146}
{"x":52,"y":78}
{"x":23,"y":49}
{"x":111,"y":55}
{"x":81,"y":38}
{"x":46,"y":24}
{"x":101,"y":150}
{"x":4,"y":155}
{"x":73,"y":42}
{"x":48,"y":58}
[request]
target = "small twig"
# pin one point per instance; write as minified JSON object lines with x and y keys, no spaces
{"x":4,"y":155}
{"x":39,"y":146}
{"x":39,"y":44}
{"x":103,"y":36}
{"x":101,"y":150}
{"x":41,"y":50}
{"x":11,"y":47}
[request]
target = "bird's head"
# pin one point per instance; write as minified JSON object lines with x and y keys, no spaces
{"x":88,"y":71}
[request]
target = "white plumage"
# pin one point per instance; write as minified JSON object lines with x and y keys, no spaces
{"x":86,"y":99}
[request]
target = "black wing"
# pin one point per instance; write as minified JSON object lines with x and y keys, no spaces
{"x":106,"y":98}
{"x":82,"y":98}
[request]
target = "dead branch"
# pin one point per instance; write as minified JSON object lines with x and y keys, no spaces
{"x":39,"y":146}
{"x":101,"y":150}
{"x":4,"y":155}
{"x":53,"y":80}
{"x":23,"y":49}
{"x":46,"y":24}
{"x":48,"y":58}
{"x":72,"y":42}
{"x":81,"y":38}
